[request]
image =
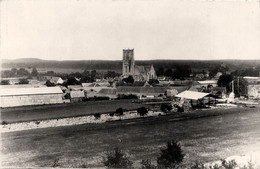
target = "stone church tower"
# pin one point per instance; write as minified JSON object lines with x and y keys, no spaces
{"x":128,"y":62}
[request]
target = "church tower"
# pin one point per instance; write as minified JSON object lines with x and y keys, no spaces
{"x":128,"y":62}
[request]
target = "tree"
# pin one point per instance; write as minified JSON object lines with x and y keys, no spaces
{"x":153,"y":81}
{"x":142,"y":111}
{"x":225,"y":81}
{"x":5,"y":82}
{"x":181,"y":72}
{"x":119,"y":112}
{"x":22,"y":72}
{"x":171,"y":155}
{"x":160,"y":71}
{"x":166,"y":108}
{"x":72,"y":81}
{"x":23,"y":81}
{"x":34,"y":72}
{"x":117,"y":159}
{"x":129,"y":79}
{"x":168,"y":73}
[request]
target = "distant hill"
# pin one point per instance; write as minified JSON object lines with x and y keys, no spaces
{"x":117,"y":65}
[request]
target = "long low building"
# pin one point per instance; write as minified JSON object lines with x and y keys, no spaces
{"x":12,"y":97}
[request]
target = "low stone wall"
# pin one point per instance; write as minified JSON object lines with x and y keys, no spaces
{"x":71,"y":121}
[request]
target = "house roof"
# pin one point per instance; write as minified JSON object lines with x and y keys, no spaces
{"x":208,"y":82}
{"x":55,"y":79}
{"x":142,"y":69}
{"x":29,"y":91}
{"x":77,"y":94}
{"x":192,"y":95}
{"x":107,"y":91}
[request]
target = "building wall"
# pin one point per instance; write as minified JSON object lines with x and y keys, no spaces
{"x":253,"y":91}
{"x":25,"y":100}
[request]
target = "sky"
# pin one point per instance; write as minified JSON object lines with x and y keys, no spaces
{"x":156,"y":29}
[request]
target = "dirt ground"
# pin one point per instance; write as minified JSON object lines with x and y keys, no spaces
{"x":219,"y":135}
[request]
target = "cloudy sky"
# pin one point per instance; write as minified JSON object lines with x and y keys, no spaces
{"x":101,"y":29}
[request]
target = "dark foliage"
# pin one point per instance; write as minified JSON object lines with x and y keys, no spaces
{"x":171,"y":155}
{"x":166,"y":108}
{"x":23,"y":81}
{"x":49,"y":83}
{"x":34,"y":72}
{"x":4,"y":123}
{"x":225,"y":81}
{"x":5,"y":82}
{"x":119,"y":112}
{"x":160,"y":71}
{"x":97,"y":115}
{"x":142,"y":111}
{"x":129,"y":80}
{"x":147,"y":164}
{"x":153,"y":81}
{"x":117,"y":159}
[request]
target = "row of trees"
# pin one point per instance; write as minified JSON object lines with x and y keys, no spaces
{"x":180,"y":72}
{"x":19,"y":72}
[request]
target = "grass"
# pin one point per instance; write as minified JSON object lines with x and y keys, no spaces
{"x":236,"y":131}
{"x":29,"y":113}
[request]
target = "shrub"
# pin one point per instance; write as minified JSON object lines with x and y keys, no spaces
{"x":228,"y":165}
{"x":37,"y":122}
{"x":142,"y":111}
{"x":224,"y":164}
{"x":111,"y":114}
{"x":119,"y":112}
{"x":5,"y":82}
{"x":171,"y":155}
{"x":146,"y":164}
{"x":165,"y":108}
{"x":55,"y":163}
{"x":4,"y":123}
{"x":97,"y":115}
{"x":23,"y":81}
{"x":117,"y":159}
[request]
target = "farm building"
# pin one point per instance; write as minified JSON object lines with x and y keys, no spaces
{"x":77,"y":95}
{"x":196,"y":99}
{"x":12,"y":97}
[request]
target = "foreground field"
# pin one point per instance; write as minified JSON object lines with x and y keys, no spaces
{"x":235,"y":132}
{"x":29,"y":113}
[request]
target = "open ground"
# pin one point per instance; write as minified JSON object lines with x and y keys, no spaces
{"x":234,"y":131}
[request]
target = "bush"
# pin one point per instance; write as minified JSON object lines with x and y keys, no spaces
{"x":171,"y":155}
{"x":23,"y":81}
{"x":4,"y":123}
{"x":117,"y":159}
{"x":146,"y":164}
{"x":111,"y":114}
{"x":224,"y":164}
{"x":97,"y":115}
{"x":166,"y":108}
{"x":5,"y":82}
{"x":142,"y":111}
{"x":119,"y":112}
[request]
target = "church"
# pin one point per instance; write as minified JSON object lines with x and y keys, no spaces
{"x":139,"y":73}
